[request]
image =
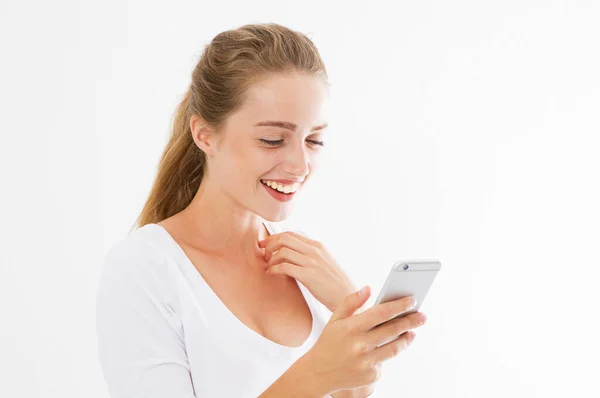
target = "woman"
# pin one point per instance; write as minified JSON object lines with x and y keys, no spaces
{"x":206,"y":298}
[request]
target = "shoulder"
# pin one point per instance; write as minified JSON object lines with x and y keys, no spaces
{"x":137,"y":265}
{"x":136,"y":253}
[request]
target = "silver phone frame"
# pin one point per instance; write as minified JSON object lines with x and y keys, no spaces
{"x":393,"y":290}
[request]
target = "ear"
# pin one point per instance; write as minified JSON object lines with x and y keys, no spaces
{"x":203,"y":135}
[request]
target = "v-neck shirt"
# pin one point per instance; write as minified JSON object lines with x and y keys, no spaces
{"x":163,"y":332}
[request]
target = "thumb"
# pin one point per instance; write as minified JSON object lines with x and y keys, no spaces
{"x":351,"y":303}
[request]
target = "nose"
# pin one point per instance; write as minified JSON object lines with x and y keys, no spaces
{"x":298,"y":164}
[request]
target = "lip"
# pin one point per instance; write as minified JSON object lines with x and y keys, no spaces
{"x":286,"y":182}
{"x":282,"y":197}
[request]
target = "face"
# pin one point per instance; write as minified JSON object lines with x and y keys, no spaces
{"x":276,"y":137}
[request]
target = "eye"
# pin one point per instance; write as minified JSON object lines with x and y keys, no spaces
{"x":272,"y":143}
{"x":321,"y":143}
{"x":277,"y":142}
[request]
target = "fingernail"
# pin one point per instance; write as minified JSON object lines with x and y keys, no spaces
{"x":413,"y":302}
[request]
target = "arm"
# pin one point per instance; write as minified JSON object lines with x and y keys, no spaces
{"x":140,"y":347}
{"x":297,"y":382}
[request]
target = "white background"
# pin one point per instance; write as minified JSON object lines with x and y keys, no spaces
{"x":460,"y":130}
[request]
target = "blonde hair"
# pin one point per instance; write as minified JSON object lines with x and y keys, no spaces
{"x":229,"y":65}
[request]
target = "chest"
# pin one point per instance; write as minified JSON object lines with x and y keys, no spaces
{"x":270,"y":305}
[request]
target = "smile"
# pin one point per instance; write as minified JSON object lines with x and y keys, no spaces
{"x":278,"y":191}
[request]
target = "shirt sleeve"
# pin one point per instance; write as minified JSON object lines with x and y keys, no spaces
{"x":140,"y":343}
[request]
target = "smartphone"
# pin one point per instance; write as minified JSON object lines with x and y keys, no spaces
{"x":409,"y":278}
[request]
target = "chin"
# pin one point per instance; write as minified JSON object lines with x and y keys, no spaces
{"x":277,"y":216}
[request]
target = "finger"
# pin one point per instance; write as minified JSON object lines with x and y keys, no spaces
{"x":382,"y":334}
{"x":383,"y":312}
{"x":393,"y":348}
{"x":286,"y":254}
{"x":303,"y":237}
{"x":350,"y":304}
{"x":287,"y":240}
{"x":298,"y":235}
{"x":292,"y":270}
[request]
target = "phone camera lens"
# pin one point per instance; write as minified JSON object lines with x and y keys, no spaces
{"x":405,"y":267}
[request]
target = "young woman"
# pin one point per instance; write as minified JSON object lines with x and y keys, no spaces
{"x":206,"y":298}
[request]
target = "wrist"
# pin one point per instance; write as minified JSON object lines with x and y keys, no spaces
{"x":308,"y":382}
{"x":348,"y":290}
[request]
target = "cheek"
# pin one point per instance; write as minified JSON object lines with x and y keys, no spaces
{"x":314,"y":162}
{"x":252,"y":164}
{"x":232,"y":169}
{"x":242,"y":157}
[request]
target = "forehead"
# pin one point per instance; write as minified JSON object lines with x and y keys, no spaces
{"x":297,"y":98}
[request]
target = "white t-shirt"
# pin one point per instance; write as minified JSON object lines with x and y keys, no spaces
{"x":163,"y":333}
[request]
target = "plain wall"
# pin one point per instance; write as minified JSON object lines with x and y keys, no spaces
{"x":465,"y":131}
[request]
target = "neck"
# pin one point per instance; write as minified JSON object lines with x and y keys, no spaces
{"x":218,"y":226}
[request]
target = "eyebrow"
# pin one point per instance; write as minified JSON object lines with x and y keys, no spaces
{"x":287,"y":125}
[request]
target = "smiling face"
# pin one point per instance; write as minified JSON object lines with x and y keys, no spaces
{"x":275,"y":136}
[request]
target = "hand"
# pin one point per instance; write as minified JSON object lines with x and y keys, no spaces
{"x":309,"y":262}
{"x":352,"y":346}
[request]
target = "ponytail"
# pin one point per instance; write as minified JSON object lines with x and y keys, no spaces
{"x":180,"y":170}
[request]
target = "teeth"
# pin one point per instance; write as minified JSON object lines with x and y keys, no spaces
{"x":281,"y":188}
